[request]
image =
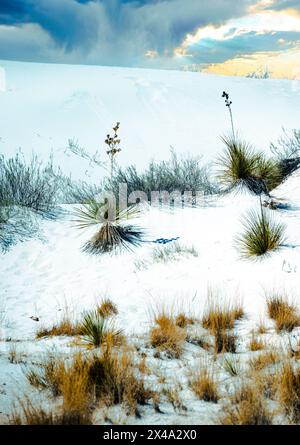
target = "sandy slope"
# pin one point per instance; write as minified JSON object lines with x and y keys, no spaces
{"x":45,"y":105}
{"x":41,"y":278}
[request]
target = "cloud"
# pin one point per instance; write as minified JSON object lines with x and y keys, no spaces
{"x":209,"y":50}
{"x":105,"y":31}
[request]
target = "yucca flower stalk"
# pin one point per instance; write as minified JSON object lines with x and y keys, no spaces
{"x":228,"y":104}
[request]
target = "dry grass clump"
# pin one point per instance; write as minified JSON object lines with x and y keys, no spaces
{"x":65,"y":327}
{"x":256,"y":344}
{"x":204,"y":385}
{"x":172,"y":252}
{"x":36,"y":415}
{"x":108,"y":377}
{"x":284,"y":314}
{"x":167,"y":336}
{"x":261,"y":234}
{"x":248,"y":408}
{"x":288,"y":381}
{"x":263,"y":360}
{"x":219,"y":319}
{"x":183,"y":320}
{"x":107,"y":308}
{"x":219,"y":316}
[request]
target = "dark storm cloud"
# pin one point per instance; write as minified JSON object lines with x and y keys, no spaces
{"x":110,"y":31}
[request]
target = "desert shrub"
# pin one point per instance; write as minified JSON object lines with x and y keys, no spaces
{"x":261,"y":235}
{"x":166,"y":336}
{"x":287,"y":146}
{"x":96,"y":329}
{"x":203,"y":384}
{"x":288,"y":383}
{"x":241,"y":166}
{"x":177,"y":174}
{"x":30,"y":185}
{"x":16,"y":225}
{"x":284,"y":314}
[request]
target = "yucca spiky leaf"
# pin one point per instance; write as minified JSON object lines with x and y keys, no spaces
{"x":262,"y":234}
{"x":241,"y":166}
{"x":95,"y":329}
{"x":93,"y":212}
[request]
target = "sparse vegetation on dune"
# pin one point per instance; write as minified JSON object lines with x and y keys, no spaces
{"x":108,"y":377}
{"x":262,"y":234}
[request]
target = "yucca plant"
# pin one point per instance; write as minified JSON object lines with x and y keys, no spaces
{"x":96,"y":329}
{"x":262,"y":234}
{"x":113,"y":232}
{"x":241,"y":166}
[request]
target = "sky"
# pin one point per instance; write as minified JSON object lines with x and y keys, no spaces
{"x":232,"y":37}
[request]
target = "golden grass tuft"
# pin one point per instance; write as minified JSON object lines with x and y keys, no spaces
{"x":108,"y":377}
{"x":248,"y":407}
{"x":167,"y":336}
{"x":263,"y":360}
{"x":219,"y":319}
{"x":182,"y":320}
{"x":65,"y":327}
{"x":36,"y":415}
{"x":288,"y":382}
{"x":256,"y":344}
{"x":107,"y":308}
{"x":284,"y":314}
{"x":204,"y":385}
{"x":248,"y":412}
